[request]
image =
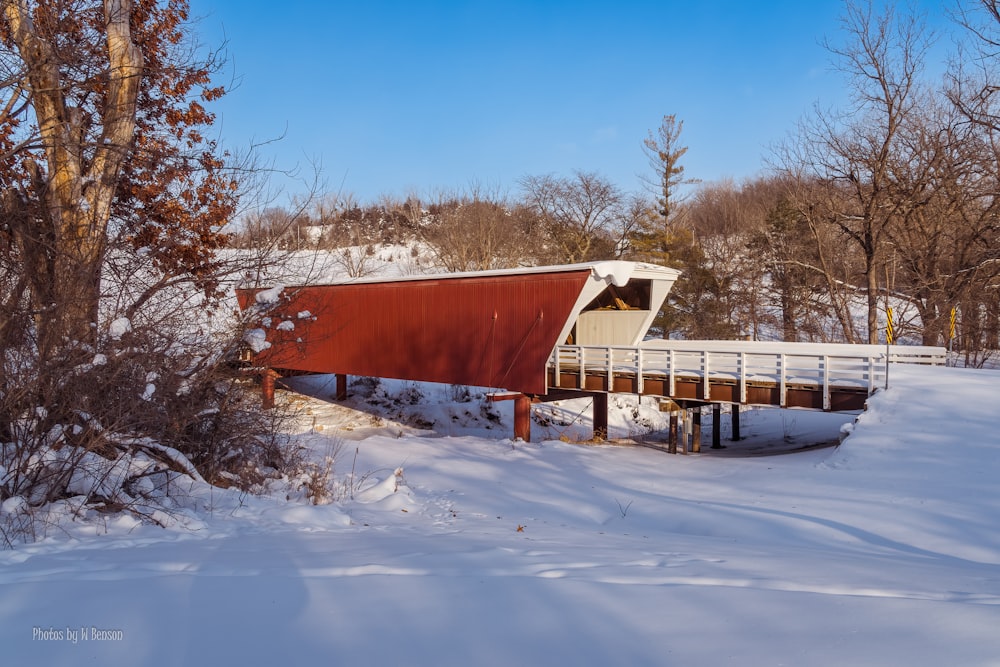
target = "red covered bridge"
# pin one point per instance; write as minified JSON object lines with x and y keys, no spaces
{"x":487,"y":329}
{"x":541,"y":333}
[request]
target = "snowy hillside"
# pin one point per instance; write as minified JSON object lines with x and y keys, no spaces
{"x":460,"y":547}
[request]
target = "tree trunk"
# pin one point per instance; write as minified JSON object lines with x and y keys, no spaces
{"x":930,"y":320}
{"x":992,"y":338}
{"x":840,"y":306}
{"x":789,"y":331}
{"x":66,"y":239}
{"x":871,"y":277}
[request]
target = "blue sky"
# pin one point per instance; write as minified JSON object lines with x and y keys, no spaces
{"x":393,"y":98}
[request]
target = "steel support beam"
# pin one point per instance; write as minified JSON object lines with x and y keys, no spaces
{"x":696,"y":430}
{"x":716,"y":426}
{"x":600,"y":416}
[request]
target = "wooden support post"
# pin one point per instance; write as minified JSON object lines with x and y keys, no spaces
{"x":600,"y":416}
{"x":341,"y":387}
{"x":672,"y":440}
{"x":716,"y":425}
{"x":522,"y":412}
{"x":686,"y":430}
{"x":267,"y":382}
{"x":734,"y":414}
{"x":696,"y":429}
{"x":522,"y":418}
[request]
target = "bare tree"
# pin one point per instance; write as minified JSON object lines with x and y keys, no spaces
{"x":946,"y":247}
{"x":882,"y":60}
{"x":974,"y":81}
{"x":973,"y":77}
{"x":818,"y":205}
{"x":636,"y":214}
{"x":480,"y":230}
{"x":579,"y":214}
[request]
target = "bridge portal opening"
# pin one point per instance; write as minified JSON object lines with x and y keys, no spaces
{"x":617,"y":316}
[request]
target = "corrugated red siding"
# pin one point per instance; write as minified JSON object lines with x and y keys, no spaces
{"x":494,"y":331}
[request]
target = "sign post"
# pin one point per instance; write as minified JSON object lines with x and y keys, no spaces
{"x":889,"y":336}
{"x":951,"y":332}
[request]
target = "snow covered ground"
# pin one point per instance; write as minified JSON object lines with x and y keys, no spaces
{"x":456,"y":546}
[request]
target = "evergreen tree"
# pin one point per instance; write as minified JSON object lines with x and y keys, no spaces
{"x":694,"y":308}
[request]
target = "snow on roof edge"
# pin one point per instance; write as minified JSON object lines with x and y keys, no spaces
{"x":618,"y":271}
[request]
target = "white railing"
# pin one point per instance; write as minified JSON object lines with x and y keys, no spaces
{"x":897,"y":353}
{"x":781,"y":365}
